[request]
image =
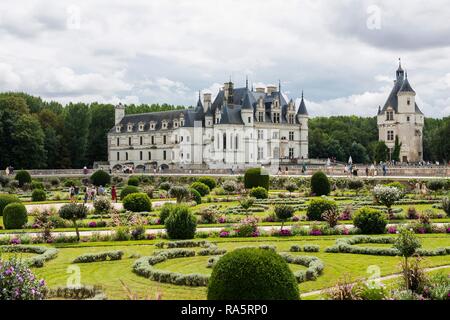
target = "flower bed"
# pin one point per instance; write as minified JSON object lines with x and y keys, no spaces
{"x":99,"y":256}
{"x":44,"y":253}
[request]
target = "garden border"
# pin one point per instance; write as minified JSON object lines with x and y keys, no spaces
{"x":44,"y":253}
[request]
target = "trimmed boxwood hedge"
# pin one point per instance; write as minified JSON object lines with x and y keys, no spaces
{"x":133,"y":181}
{"x":44,"y":253}
{"x":370,"y":221}
{"x":128,"y":190}
{"x":319,"y":206}
{"x":315,"y":266}
{"x":202,"y":188}
{"x":259,"y":193}
{"x":137,"y":202}
{"x":252,"y":274}
{"x":253,"y":179}
{"x":6,"y":199}
{"x":99,"y":256}
{"x":15,"y":216}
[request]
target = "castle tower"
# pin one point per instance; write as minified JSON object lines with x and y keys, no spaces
{"x":401,"y":117}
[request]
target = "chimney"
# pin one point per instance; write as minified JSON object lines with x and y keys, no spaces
{"x":206,"y":100}
{"x":261,"y":89}
{"x":119,"y":113}
{"x":271,"y":89}
{"x":228,"y":89}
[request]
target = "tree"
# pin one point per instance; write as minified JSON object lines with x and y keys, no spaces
{"x":247,"y":203}
{"x":359,"y":153}
{"x":381,"y":152}
{"x":74,"y":212}
{"x":407,"y":243}
{"x":77,"y":119}
{"x":396,"y":151}
{"x":179,"y":192}
{"x":102,"y":120}
{"x":387,"y":195}
{"x":284,"y":212}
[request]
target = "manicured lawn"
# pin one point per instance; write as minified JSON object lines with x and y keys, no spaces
{"x":109,"y":274}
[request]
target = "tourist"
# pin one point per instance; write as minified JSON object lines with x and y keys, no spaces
{"x":85,"y":170}
{"x":367,"y":171}
{"x":287,"y":171}
{"x":279,"y":171}
{"x":114,"y":194}
{"x":86,"y":194}
{"x":384,"y":167}
{"x":101,"y":190}
{"x":76,"y":190}
{"x":7,"y":171}
{"x":71,"y":193}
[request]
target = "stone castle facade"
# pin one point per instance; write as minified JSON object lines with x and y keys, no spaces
{"x":401,"y":117}
{"x":241,"y":128}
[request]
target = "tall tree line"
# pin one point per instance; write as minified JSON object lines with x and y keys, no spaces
{"x":39,"y":134}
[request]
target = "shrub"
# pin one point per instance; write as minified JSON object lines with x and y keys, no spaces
{"x":4,"y":181}
{"x":128,"y":190}
{"x":23,"y":177}
{"x":179,"y":192}
{"x":259,"y":193}
{"x":19,"y":283}
{"x":122,"y":233}
{"x":14,"y":216}
{"x":284,"y":212}
{"x":254,"y":178}
{"x":137,"y":202}
{"x":54,"y":182}
{"x":435,"y":185}
{"x":208,"y":215}
{"x":73,"y":212}
{"x":331,"y":216}
{"x":37,"y":185}
{"x":319,"y":206}
{"x":370,"y":221}
{"x":387,"y":195}
{"x":99,"y":256}
{"x":102,"y":205}
{"x":133,"y":181}
{"x":6,"y":199}
{"x":320,"y":185}
{"x":181,"y":223}
{"x":202,"y":188}
{"x":209,"y":181}
{"x":252,"y":274}
{"x":445,"y":205}
{"x":355,"y":184}
{"x":195,"y":195}
{"x":165,"y":186}
{"x":247,"y":203}
{"x":407,"y":243}
{"x":229,"y":186}
{"x":248,"y":227}
{"x":38,"y":195}
{"x":165,"y":211}
{"x":100,"y":178}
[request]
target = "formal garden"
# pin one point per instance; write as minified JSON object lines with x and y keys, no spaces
{"x":189,"y":237}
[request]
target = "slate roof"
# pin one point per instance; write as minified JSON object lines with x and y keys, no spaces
{"x":302,"y":107}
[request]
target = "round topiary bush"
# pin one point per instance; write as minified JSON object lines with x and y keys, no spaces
{"x":319,"y":206}
{"x":179,"y":192}
{"x":252,"y":274}
{"x":23,"y":177}
{"x":165,"y":211}
{"x":181,"y":223}
{"x":202,"y":188}
{"x":370,"y":221}
{"x":128,"y":190}
{"x":37,"y":185}
{"x":196,"y":196}
{"x":100,"y":178}
{"x":320,"y":185}
{"x":254,"y":178}
{"x":38,"y":195}
{"x":137,"y":202}
{"x":165,"y":186}
{"x":133,"y":181}
{"x":209,"y":181}
{"x":259,"y":193}
{"x":6,"y":199}
{"x":14,"y":216}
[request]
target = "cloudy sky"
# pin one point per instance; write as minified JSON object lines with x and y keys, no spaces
{"x":343,"y":54}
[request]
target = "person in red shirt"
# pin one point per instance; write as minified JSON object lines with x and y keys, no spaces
{"x":114,"y":193}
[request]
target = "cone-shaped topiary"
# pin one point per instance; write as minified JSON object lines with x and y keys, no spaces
{"x":181,"y":223}
{"x":252,"y":274}
{"x":254,"y":178}
{"x":14,"y":216}
{"x":320,"y":185}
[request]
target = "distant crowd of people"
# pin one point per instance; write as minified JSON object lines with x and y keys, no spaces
{"x":91,"y":193}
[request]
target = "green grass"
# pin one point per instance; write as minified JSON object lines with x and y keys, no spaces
{"x":109,"y":274}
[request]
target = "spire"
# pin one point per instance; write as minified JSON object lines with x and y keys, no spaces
{"x":302,"y":107}
{"x":399,"y":63}
{"x":246,"y":82}
{"x":400,"y":73}
{"x":406,"y":87}
{"x":199,"y":103}
{"x":279,"y":86}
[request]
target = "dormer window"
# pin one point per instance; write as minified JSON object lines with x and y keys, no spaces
{"x":141,"y":126}
{"x":118,"y":128}
{"x":152,"y":125}
{"x":130,"y":127}
{"x":276,"y":104}
{"x":389,"y":115}
{"x":164,"y":124}
{"x":291,"y":118}
{"x":276,"y":117}
{"x":260,"y":116}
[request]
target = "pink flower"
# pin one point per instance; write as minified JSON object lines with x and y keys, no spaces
{"x":315,"y":233}
{"x":392,"y":230}
{"x":15,"y":241}
{"x":285,"y":233}
{"x":224,"y":234}
{"x":92,"y":224}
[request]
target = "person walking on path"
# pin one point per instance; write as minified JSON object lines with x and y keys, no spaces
{"x":86,"y":195}
{"x":7,"y":171}
{"x":114,"y":194}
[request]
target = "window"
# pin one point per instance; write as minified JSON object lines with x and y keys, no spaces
{"x":141,"y":127}
{"x":390,"y":135}
{"x":153,"y":139}
{"x":224,"y":141}
{"x":152,"y":126}
{"x":118,"y":156}
{"x":408,"y":101}
{"x":291,"y":153}
{"x":291,"y":118}
{"x":249,"y":119}
{"x":188,"y":139}
{"x":260,"y":153}
{"x":276,"y":117}
{"x":118,"y":142}
{"x":407,"y":118}
{"x":140,"y":155}
{"x":236,"y":144}
{"x":389,"y":116}
{"x":129,"y":141}
{"x":149,"y":155}
{"x":261,"y":116}
{"x":164,"y":155}
{"x":126,"y":156}
{"x":260,"y":134}
{"x":130,"y":127}
{"x":118,"y":129}
{"x":275,"y":135}
{"x":175,"y":124}
{"x":291,"y":135}
{"x":164,"y":125}
{"x":141,"y":140}
{"x":164,"y":139}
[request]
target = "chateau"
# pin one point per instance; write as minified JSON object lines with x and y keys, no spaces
{"x":241,"y":128}
{"x":401,"y":117}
